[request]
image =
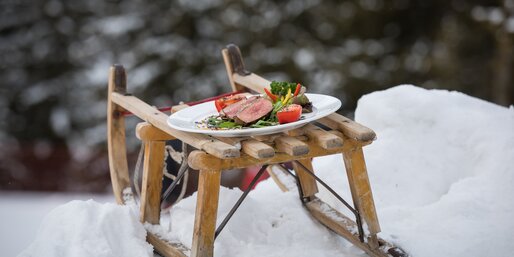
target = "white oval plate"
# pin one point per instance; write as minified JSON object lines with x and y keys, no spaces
{"x":185,"y":119}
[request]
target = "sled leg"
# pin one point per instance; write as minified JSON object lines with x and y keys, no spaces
{"x":361,"y":192}
{"x":206,"y":212}
{"x":307,"y":182}
{"x":150,"y":207}
{"x":116,"y":134}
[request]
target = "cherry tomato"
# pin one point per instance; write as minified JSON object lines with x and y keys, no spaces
{"x":290,"y":113}
{"x":226,"y":101}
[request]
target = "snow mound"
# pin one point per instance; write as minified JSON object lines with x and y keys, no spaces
{"x":87,"y":229}
{"x":441,"y":171}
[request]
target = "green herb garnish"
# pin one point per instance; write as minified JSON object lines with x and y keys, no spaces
{"x":280,"y":88}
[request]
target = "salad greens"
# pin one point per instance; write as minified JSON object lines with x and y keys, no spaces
{"x":282,"y":95}
{"x":280,"y":88}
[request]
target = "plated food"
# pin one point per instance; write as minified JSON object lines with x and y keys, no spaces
{"x":283,"y":103}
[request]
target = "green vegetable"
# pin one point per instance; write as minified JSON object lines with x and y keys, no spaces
{"x":229,"y":124}
{"x":276,"y":107}
{"x":263,"y":123}
{"x":280,"y":88}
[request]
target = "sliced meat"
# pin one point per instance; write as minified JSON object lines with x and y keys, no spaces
{"x":232,"y":110}
{"x":258,"y":109}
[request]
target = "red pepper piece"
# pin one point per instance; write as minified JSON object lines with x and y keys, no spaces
{"x":272,"y":96}
{"x":297,"y":90}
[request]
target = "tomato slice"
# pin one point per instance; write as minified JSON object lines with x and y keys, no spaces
{"x":226,"y":101}
{"x":290,"y":113}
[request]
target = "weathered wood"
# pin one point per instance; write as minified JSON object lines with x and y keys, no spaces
{"x":257,"y":149}
{"x":349,"y":127}
{"x":201,"y":160}
{"x":164,"y":247}
{"x":322,"y":137}
{"x":338,"y":133}
{"x":291,"y":146}
{"x":340,"y":224}
{"x":252,"y":81}
{"x":231,"y":140}
{"x":150,"y":207}
{"x":267,"y":138}
{"x":230,"y":71}
{"x":360,"y":188}
{"x":147,"y":132}
{"x":179,"y":107}
{"x":276,"y":179}
{"x":295,"y":132}
{"x":158,"y":119}
{"x":206,"y":213}
{"x":116,"y":134}
{"x":307,"y":182}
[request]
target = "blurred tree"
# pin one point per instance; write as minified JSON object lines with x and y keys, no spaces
{"x":54,"y":58}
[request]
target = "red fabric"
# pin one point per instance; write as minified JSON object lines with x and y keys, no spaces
{"x":250,"y":173}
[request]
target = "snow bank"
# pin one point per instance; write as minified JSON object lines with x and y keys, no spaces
{"x":442,"y":177}
{"x":87,"y":229}
{"x":441,"y":171}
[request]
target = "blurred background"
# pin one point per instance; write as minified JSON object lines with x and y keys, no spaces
{"x":55,"y":56}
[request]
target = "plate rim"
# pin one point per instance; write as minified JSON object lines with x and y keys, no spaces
{"x":248,"y":132}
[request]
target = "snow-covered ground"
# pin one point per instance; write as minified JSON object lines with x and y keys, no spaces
{"x":21,"y":215}
{"x":441,"y":171}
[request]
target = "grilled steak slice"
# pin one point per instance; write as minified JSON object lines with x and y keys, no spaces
{"x":258,"y":109}
{"x":232,"y":110}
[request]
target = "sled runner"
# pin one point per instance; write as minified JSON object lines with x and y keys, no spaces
{"x":333,"y":134}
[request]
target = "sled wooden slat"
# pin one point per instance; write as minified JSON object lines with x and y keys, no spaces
{"x":323,"y":138}
{"x":291,"y":146}
{"x":202,"y":160}
{"x":339,"y":223}
{"x":158,"y":119}
{"x":349,"y":127}
{"x":267,"y":138}
{"x":252,"y":81}
{"x":257,"y":149}
{"x":295,"y":132}
{"x":165,"y":248}
{"x":147,"y":132}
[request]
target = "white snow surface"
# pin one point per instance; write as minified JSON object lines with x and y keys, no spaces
{"x":441,"y":171}
{"x":89,"y":228}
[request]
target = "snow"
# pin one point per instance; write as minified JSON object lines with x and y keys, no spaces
{"x":88,"y":228}
{"x":21,"y":215}
{"x":442,"y":179}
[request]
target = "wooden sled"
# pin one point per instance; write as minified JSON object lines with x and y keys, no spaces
{"x":334,"y":134}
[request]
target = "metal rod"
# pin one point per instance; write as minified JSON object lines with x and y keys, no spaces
{"x":298,"y":184}
{"x":182,"y":171}
{"x":327,"y":187}
{"x":357,"y":214}
{"x":287,"y":170}
{"x":239,"y":201}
